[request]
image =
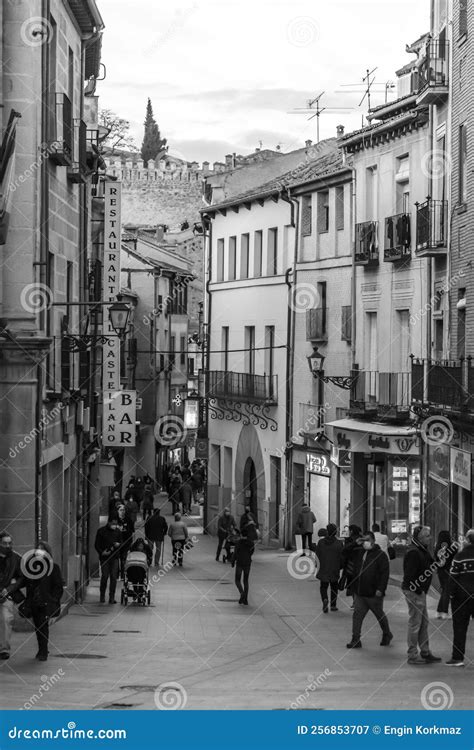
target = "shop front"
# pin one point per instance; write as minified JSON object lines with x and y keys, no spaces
{"x":385,"y":476}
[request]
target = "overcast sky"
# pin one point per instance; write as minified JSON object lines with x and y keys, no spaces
{"x":223,"y":76}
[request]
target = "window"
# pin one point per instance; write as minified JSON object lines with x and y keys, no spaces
{"x":225,"y":348}
{"x":244,"y":256}
{"x":371,"y":357}
{"x":269,"y":350}
{"x":346,"y":323}
{"x":70,"y":73}
{"x":403,"y":348}
{"x":182,"y":355}
{"x":340,"y":207}
{"x":463,"y":163}
{"x":323,"y":211}
{"x":316,"y":319}
{"x":371,"y":193}
{"x":172,"y":355}
{"x":220,"y":260}
{"x":462,"y":17}
{"x":249,"y":347}
{"x":306,"y":215}
{"x":272,"y":252}
{"x":461,"y":310}
{"x":257,"y":253}
{"x":232,"y":257}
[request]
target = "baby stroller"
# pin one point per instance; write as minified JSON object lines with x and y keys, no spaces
{"x":135,"y":582}
{"x":229,"y":546}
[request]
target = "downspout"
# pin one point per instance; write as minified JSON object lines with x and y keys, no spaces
{"x":290,"y":355}
{"x":207,"y":348}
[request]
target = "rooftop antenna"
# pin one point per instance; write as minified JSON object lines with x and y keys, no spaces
{"x":316,"y":111}
{"x":370,"y":83}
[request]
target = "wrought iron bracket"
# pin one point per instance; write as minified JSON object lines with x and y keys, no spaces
{"x":78,"y":342}
{"x":247,"y":413}
{"x":341,"y":381}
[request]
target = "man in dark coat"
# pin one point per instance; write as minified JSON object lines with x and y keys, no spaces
{"x":371,"y":574}
{"x":155,"y":531}
{"x":243,"y":560}
{"x":225,"y":525}
{"x":11,"y":580}
{"x":418,"y":565}
{"x":126,"y":528}
{"x":43,"y":594}
{"x":462,"y":598}
{"x":108,"y":542}
{"x":304,"y":526}
{"x":186,"y":496}
{"x":329,"y":553}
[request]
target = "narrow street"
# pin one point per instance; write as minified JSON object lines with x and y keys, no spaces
{"x":225,"y":656}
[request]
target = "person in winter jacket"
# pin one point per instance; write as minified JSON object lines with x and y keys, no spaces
{"x":243,"y":560}
{"x":11,"y":580}
{"x":225,"y":525}
{"x":462,"y":598}
{"x":43,"y":595}
{"x":173,"y":490}
{"x":350,"y":549}
{"x":126,"y":528}
{"x":155,"y":531}
{"x":247,"y":518}
{"x":444,"y":552}
{"x":178,"y":532}
{"x":371,"y":574}
{"x":108,"y":542}
{"x":418,"y":565}
{"x":186,"y":496}
{"x":329,"y":554}
{"x":304,"y":526}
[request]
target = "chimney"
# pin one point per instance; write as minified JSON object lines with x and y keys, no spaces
{"x":340,"y":131}
{"x":228,"y":160}
{"x":308,"y":143}
{"x":160,"y":232}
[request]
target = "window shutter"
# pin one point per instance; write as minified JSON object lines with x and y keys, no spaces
{"x":306,"y":215}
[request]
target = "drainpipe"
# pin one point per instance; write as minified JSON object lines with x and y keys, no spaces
{"x":290,"y":354}
{"x":207,"y":349}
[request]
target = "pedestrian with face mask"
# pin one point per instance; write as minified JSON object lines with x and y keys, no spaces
{"x":225,"y":526}
{"x":11,"y":580}
{"x":370,"y":581}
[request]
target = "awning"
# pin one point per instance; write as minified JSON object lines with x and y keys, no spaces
{"x":357,"y":436}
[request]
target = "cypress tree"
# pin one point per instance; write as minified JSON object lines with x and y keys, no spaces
{"x":153,"y":143}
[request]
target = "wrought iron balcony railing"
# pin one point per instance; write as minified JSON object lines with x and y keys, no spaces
{"x":397,"y":244}
{"x":316,"y":324}
{"x":443,"y":383}
{"x":242,"y":386}
{"x":431,"y":226}
{"x":386,"y":394}
{"x":62,"y":135}
{"x":366,"y":244}
{"x":433,"y":73}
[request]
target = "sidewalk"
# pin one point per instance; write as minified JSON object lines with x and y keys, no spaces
{"x":221,"y":655}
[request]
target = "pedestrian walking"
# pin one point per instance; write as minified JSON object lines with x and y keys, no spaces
{"x":155,"y":531}
{"x":43,"y":596}
{"x":445,"y":551}
{"x":350,"y":549}
{"x":186,"y":496}
{"x":196,"y":481}
{"x":131,"y":505}
{"x":304,"y":526}
{"x":371,"y":574}
{"x":225,"y":526}
{"x":186,"y":472}
{"x":462,"y":598}
{"x":126,"y":528}
{"x":173,"y":491}
{"x":11,"y":580}
{"x":139,"y":490}
{"x":242,"y":560}
{"x":329,"y":554}
{"x":148,"y":500}
{"x":380,"y":539}
{"x":108,"y":542}
{"x":114,"y":502}
{"x":247,"y":517}
{"x":178,"y":533}
{"x":417,"y":575}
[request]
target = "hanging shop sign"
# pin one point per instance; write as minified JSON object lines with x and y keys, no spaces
{"x":399,"y":526}
{"x":316,"y":463}
{"x":340,"y":458}
{"x":120,"y":414}
{"x":202,"y":448}
{"x":366,"y":442}
{"x":111,"y":282}
{"x":191,"y":414}
{"x":460,"y":468}
{"x":438,"y":463}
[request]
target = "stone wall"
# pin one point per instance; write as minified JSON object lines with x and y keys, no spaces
{"x":161,"y":203}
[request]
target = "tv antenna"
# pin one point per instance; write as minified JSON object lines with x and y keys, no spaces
{"x":316,"y":111}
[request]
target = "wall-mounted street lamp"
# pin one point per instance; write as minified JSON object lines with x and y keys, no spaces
{"x":119,"y":315}
{"x":316,"y":366}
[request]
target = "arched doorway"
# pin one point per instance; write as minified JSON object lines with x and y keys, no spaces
{"x":250,"y":487}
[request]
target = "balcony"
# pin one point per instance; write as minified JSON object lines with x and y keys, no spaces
{"x":316,"y":324}
{"x":78,"y":169}
{"x":397,"y":245}
{"x":62,"y":132}
{"x":381,"y":395}
{"x":242,"y":386}
{"x":366,"y":244}
{"x":445,"y":384}
{"x":431,"y":228}
{"x":433,"y":73}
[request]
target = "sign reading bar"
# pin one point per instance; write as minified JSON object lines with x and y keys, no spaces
{"x":111,"y":283}
{"x":461,"y":468}
{"x":316,"y":463}
{"x":120,"y":413}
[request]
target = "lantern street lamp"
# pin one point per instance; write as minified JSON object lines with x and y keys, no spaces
{"x":119,"y":314}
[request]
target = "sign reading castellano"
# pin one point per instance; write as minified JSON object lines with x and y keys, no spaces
{"x":119,"y":412}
